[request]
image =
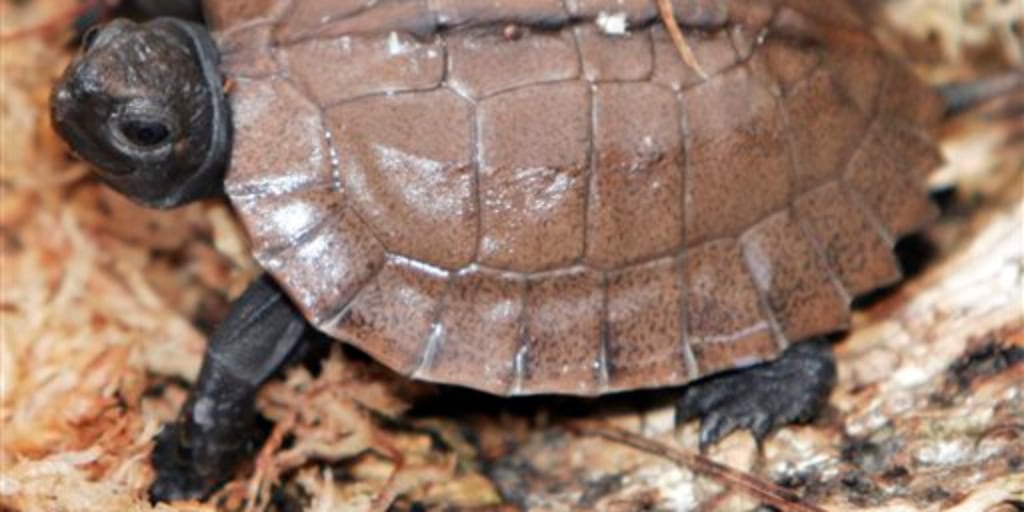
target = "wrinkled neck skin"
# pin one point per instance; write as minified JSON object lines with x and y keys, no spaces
{"x":144,"y":103}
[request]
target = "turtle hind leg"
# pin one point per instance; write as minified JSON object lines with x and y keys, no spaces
{"x":762,"y":398}
{"x":218,"y":426}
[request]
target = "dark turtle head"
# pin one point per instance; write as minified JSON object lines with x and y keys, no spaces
{"x":145,"y":105}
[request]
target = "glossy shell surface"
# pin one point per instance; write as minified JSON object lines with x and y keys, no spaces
{"x":538,"y":196}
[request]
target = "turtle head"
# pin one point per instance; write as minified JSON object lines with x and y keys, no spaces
{"x":144,"y":103}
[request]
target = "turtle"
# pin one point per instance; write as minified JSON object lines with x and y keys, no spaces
{"x":530,"y":197}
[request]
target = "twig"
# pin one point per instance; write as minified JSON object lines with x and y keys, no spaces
{"x":668,"y":17}
{"x":768,"y":492}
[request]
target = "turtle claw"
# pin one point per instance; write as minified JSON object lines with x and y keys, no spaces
{"x":176,"y":475}
{"x":762,"y":398}
{"x":191,"y":462}
{"x":715,"y":426}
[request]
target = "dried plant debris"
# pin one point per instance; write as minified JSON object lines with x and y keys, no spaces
{"x":105,"y":308}
{"x":956,"y":37}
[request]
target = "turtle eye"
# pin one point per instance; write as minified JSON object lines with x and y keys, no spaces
{"x":145,"y":133}
{"x":89,"y":38}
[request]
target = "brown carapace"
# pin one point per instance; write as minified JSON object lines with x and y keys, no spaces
{"x":540,"y":196}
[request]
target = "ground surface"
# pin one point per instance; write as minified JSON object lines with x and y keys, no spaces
{"x":105,"y":308}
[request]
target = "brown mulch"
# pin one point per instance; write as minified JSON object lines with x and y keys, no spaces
{"x":105,"y":306}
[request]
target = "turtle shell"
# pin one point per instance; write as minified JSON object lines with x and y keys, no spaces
{"x":540,"y":196}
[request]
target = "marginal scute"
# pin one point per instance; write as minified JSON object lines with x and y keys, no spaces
{"x":793,"y":278}
{"x":406,"y":164}
{"x":394,"y":315}
{"x":911,"y":147}
{"x":859,"y":73}
{"x":906,"y":97}
{"x":280,"y":221}
{"x":526,"y":197}
{"x":479,"y":333}
{"x":852,"y":245}
{"x":725,"y":324}
{"x":645,"y":313}
{"x":563,"y":322}
{"x":896,"y":195}
{"x":327,"y":268}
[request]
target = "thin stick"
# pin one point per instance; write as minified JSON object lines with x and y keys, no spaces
{"x":668,"y":17}
{"x":755,"y":487}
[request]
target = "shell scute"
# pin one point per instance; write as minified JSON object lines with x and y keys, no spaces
{"x":483,"y":62}
{"x":279,"y":143}
{"x":325,"y":270}
{"x":338,"y":69}
{"x":851,"y":243}
{"x":517,"y":197}
{"x":604,"y":59}
{"x":286,"y":219}
{"x":893,"y":193}
{"x":395,"y":313}
{"x":561,"y":348}
{"x":735,"y":145}
{"x":534,"y":151}
{"x":725,"y":323}
{"x":820,"y":108}
{"x":637,"y":159}
{"x":645,"y":314}
{"x":480,"y":327}
{"x":714,"y":52}
{"x":794,"y":280}
{"x":406,"y":163}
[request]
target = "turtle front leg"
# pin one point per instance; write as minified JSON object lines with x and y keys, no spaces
{"x":762,"y":398}
{"x":216,"y":427}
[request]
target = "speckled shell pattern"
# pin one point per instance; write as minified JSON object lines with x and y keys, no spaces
{"x":519,"y":196}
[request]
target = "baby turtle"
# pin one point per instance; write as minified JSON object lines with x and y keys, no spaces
{"x":520,"y":197}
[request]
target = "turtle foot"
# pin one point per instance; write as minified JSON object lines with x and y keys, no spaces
{"x":176,"y":476}
{"x":218,"y":427}
{"x":762,"y":398}
{"x":193,"y":468}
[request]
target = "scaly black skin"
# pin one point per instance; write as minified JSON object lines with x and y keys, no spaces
{"x":216,"y":429}
{"x":791,"y":389}
{"x":144,"y":104}
{"x":156,"y":125}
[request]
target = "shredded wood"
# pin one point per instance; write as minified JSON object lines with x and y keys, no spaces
{"x":105,"y":308}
